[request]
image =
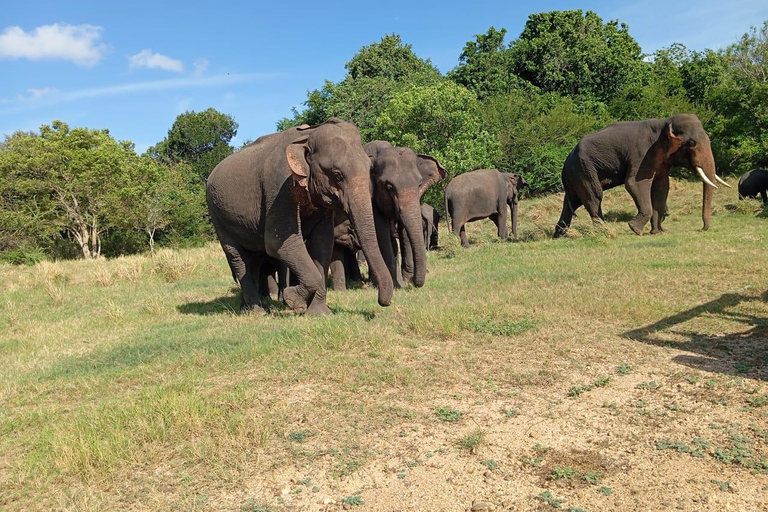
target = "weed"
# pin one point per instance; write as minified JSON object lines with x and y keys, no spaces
{"x":401,"y":475}
{"x":758,"y":401}
{"x":723,"y":486}
{"x":511,"y":413}
{"x":299,"y":436}
{"x":575,"y":509}
{"x":692,"y":379}
{"x":605,"y":491}
{"x":673,"y":445}
{"x":592,"y":477}
{"x":490,"y":464}
{"x":743,"y":366}
{"x":315,"y":489}
{"x":448,"y":414}
{"x":577,"y":390}
{"x":673,"y":407}
{"x":648,"y":385}
{"x":306,"y":482}
{"x":711,"y":383}
{"x":346,"y":468}
{"x":562,"y":473}
{"x":624,"y":369}
{"x":532,"y":462}
{"x":472,"y":441}
{"x":353,"y":500}
{"x":548,"y":498}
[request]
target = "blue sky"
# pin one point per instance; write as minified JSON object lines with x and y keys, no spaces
{"x":132,"y":67}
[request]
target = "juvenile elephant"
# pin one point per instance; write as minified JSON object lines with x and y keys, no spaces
{"x":271,"y":196}
{"x":480,"y":194}
{"x":399,"y":177}
{"x":430,"y":219}
{"x":752,"y":183}
{"x":638,"y":154}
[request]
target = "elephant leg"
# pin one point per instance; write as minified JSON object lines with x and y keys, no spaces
{"x":501,"y":220}
{"x":659,"y":194}
{"x":570,"y":203}
{"x":406,"y":252}
{"x":387,"y":247}
{"x":641,"y":194}
{"x":320,"y":246}
{"x":463,"y":236}
{"x":302,"y":270}
{"x":246,"y":273}
{"x":351,"y":267}
{"x":338,"y":273}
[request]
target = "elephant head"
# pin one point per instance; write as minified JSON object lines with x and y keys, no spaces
{"x":515,"y":183}
{"x":688,"y":145}
{"x":331,"y":170}
{"x":399,"y":178}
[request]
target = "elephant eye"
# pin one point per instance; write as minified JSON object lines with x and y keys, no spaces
{"x":691,"y":143}
{"x":390,"y":187}
{"x":337,"y":174}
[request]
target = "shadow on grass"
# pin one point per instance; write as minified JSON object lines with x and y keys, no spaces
{"x":618,"y":216}
{"x":228,"y":304}
{"x":744,"y":354}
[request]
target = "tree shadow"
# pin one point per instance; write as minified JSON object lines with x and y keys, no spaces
{"x":742,"y":353}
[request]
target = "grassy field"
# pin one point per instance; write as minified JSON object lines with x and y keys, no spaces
{"x":605,"y":371}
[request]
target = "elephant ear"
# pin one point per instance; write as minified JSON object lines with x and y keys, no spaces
{"x":675,"y":139}
{"x":431,"y":172}
{"x":297,"y":154}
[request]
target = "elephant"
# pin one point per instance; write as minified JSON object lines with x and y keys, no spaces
{"x":752,"y":183}
{"x":270,"y":197}
{"x":430,"y":218}
{"x":480,"y":194}
{"x":638,"y":154}
{"x":399,"y":177}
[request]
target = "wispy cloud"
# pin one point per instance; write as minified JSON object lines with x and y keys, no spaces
{"x":57,"y":97}
{"x":76,"y":43}
{"x":34,"y":94}
{"x":201,"y":65}
{"x":147,"y":59}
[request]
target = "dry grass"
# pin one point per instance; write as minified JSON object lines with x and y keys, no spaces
{"x":133,"y":384}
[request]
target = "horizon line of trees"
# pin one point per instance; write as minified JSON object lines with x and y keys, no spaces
{"x":519,"y":107}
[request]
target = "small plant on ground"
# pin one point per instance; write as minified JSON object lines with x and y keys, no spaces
{"x":724,"y":486}
{"x":592,"y":477}
{"x":605,"y":491}
{"x":472,"y":441}
{"x":624,"y":369}
{"x":548,"y":498}
{"x":577,"y":390}
{"x":299,"y":436}
{"x":490,"y":464}
{"x":562,"y":473}
{"x":648,"y":385}
{"x":353,"y":500}
{"x":511,"y":413}
{"x":448,"y":414}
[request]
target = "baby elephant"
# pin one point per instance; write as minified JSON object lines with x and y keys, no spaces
{"x":480,"y":194}
{"x":430,"y":218}
{"x":753,"y":183}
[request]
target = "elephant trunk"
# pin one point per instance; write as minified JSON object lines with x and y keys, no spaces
{"x":709,"y":176}
{"x":410,"y":216}
{"x":361,"y":215}
{"x":514,"y":220}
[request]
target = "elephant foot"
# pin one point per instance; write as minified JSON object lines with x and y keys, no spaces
{"x":252,"y":309}
{"x":636,"y":226}
{"x":294,"y":300}
{"x":560,"y":232}
{"x":319,"y":308}
{"x":657,"y":231}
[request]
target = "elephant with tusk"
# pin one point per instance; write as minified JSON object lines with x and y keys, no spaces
{"x":638,"y":154}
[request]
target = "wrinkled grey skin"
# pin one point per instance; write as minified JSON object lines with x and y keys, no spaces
{"x":430,"y":219}
{"x":639,"y":155}
{"x":398,"y":179}
{"x":753,"y":183}
{"x":271,"y":196}
{"x":480,"y":194}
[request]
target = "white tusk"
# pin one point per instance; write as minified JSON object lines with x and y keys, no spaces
{"x":704,"y":177}
{"x":721,"y":180}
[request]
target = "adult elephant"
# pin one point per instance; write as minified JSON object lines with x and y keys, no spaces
{"x":638,"y":154}
{"x":430,"y":219}
{"x":753,"y":183}
{"x":399,"y":177}
{"x":481,"y":194}
{"x":271,"y":196}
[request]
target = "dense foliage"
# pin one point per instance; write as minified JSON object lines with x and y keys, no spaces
{"x":519,"y":106}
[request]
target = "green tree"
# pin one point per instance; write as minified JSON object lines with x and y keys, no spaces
{"x":374,"y":76}
{"x":442,"y":121}
{"x":68,"y":179}
{"x":575,"y":54}
{"x":200,"y":139}
{"x":485,"y":66}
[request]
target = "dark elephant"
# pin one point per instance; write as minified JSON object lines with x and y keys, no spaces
{"x":481,"y":194}
{"x":399,"y":177}
{"x":430,"y":219}
{"x":752,"y":183}
{"x":638,"y":154}
{"x":271,"y":196}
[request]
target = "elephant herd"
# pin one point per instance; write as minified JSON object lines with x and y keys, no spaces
{"x":306,"y":201}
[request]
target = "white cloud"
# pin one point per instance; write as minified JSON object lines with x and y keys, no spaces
{"x":147,"y":59}
{"x":201,"y":65}
{"x":35,"y":94}
{"x":77,"y":43}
